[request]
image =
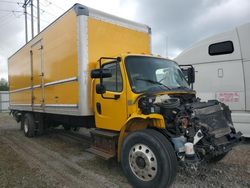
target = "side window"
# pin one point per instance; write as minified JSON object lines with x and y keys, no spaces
{"x":221,"y":48}
{"x":113,"y":83}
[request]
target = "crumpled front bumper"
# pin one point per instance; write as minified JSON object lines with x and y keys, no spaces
{"x":225,"y":143}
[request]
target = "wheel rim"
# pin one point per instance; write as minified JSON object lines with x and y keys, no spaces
{"x":143,"y":162}
{"x":26,"y":127}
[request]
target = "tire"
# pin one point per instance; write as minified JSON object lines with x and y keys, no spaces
{"x":170,"y":149}
{"x":217,"y":158}
{"x":148,"y":159}
{"x":22,"y":124}
{"x":29,"y":125}
{"x":41,"y":124}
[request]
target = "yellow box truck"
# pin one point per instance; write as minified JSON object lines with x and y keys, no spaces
{"x":94,"y":70}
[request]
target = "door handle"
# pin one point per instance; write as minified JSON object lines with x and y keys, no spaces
{"x":117,"y":97}
{"x":99,"y":108}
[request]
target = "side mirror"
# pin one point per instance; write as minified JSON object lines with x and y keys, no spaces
{"x":189,"y":73}
{"x":101,"y":73}
{"x":100,"y":89}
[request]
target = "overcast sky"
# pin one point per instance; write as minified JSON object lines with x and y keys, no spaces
{"x":176,"y":24}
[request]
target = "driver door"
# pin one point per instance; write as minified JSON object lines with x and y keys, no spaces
{"x":111,"y":107}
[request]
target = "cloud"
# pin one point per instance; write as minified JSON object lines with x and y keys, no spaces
{"x":12,"y":34}
{"x":176,"y":24}
{"x":182,"y":23}
{"x":3,"y":68}
{"x":222,"y":17}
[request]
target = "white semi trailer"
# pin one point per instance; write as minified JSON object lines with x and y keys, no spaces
{"x":222,"y":65}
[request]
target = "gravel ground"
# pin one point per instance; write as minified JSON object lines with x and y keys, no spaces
{"x":57,"y":160}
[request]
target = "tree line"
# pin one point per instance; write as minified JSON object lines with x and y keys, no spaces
{"x":4,"y":86}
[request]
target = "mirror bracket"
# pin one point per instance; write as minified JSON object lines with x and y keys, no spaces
{"x":189,"y":72}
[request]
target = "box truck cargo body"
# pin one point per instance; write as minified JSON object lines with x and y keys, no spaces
{"x":94,"y":70}
{"x":51,"y":73}
{"x":222,"y":64}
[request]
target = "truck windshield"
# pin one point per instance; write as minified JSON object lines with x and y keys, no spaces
{"x":150,"y":74}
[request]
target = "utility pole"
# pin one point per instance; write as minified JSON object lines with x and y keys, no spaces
{"x":25,"y":4}
{"x":26,"y":21}
{"x":32,"y":19}
{"x":166,"y":46}
{"x":38,"y":16}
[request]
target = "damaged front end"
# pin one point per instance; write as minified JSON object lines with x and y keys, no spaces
{"x":199,"y":131}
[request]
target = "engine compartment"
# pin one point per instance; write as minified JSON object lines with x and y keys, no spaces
{"x":199,"y":131}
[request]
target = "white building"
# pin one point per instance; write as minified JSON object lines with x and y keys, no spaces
{"x":4,"y":101}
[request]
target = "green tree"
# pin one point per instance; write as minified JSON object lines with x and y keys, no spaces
{"x":4,"y":86}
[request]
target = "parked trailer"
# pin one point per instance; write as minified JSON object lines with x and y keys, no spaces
{"x":4,"y":101}
{"x":91,"y":69}
{"x":222,"y":64}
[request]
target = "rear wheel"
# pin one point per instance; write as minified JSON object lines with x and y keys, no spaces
{"x":148,"y":159}
{"x":22,"y":124}
{"x":29,"y":125}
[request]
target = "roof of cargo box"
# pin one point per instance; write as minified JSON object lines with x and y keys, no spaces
{"x":83,"y":10}
{"x":87,"y":11}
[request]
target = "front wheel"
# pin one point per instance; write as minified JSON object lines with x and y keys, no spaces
{"x":148,"y":159}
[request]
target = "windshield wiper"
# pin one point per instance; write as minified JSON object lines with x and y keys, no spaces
{"x":182,"y":87}
{"x":153,"y":82}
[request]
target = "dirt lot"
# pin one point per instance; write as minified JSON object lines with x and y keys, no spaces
{"x":59,"y":160}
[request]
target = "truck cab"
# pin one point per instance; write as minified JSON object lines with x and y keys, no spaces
{"x":148,"y":101}
{"x":133,"y":76}
{"x":140,"y":108}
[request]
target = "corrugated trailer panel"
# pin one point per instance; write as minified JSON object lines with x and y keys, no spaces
{"x":20,"y":70}
{"x":51,"y":73}
{"x":63,"y":94}
{"x":60,"y":62}
{"x":22,"y":97}
{"x":60,"y":49}
{"x":108,"y":39}
{"x":36,"y":61}
{"x":20,"y":77}
{"x":52,"y":61}
{"x":37,"y":76}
